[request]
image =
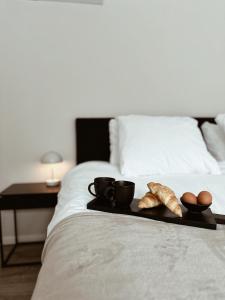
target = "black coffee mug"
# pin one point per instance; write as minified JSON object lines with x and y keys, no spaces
{"x":100,"y":185}
{"x":123,"y":193}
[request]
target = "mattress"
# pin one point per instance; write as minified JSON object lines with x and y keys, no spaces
{"x":74,"y":196}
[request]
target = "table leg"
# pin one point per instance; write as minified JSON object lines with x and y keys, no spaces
{"x":15,"y":226}
{"x":1,"y":241}
{"x":5,"y":260}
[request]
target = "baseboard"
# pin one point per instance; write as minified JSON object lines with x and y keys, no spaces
{"x":8,"y":240}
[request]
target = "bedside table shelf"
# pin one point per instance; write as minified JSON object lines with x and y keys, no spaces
{"x":24,"y":196}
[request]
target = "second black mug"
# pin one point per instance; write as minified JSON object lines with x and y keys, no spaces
{"x":122,"y":193}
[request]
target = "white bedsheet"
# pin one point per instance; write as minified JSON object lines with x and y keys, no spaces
{"x":74,"y":194}
{"x":222,"y":166}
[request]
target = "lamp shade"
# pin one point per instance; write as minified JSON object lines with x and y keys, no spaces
{"x":51,"y":157}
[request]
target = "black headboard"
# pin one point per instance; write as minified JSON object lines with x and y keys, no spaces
{"x":92,"y":138}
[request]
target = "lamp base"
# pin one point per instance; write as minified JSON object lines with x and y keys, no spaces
{"x":52,"y":182}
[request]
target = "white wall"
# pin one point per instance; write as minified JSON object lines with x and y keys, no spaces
{"x":59,"y":61}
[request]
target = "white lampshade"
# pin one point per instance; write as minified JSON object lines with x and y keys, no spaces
{"x":51,"y":157}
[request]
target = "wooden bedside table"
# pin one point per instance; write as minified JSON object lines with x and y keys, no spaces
{"x":24,"y":196}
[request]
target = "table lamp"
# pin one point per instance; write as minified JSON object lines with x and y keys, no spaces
{"x":52,"y":158}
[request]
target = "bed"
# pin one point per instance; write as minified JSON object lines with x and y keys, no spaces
{"x":95,"y":255}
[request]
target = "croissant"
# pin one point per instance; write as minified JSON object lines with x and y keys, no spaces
{"x":148,"y":201}
{"x":166,"y":196}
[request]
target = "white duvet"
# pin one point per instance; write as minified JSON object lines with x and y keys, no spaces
{"x":74,"y":195}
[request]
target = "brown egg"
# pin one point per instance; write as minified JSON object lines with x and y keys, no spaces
{"x":189,"y":198}
{"x":204,"y":198}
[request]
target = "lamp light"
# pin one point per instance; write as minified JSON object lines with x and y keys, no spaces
{"x":52,"y":158}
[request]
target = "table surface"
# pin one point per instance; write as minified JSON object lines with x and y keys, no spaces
{"x":29,"y":189}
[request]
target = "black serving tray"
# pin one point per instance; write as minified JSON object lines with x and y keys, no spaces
{"x":161,"y":213}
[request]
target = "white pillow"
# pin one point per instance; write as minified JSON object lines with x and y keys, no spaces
{"x":163,"y":145}
{"x":220,"y":120}
{"x":113,"y":141}
{"x":215,"y":140}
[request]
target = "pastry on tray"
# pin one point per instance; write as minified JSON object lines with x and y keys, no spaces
{"x":148,"y":201}
{"x":166,"y":196}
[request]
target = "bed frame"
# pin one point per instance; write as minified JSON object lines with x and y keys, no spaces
{"x":92,"y":138}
